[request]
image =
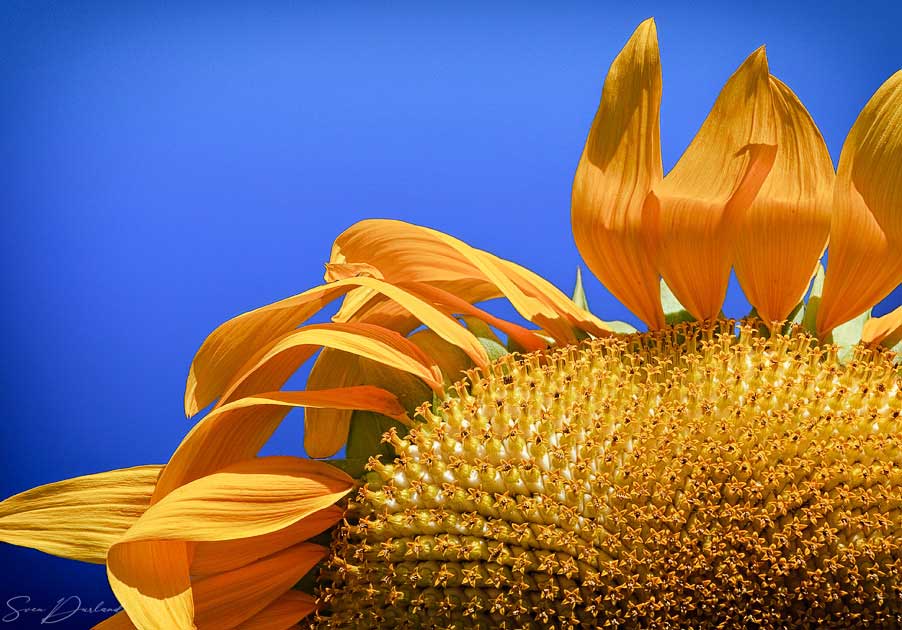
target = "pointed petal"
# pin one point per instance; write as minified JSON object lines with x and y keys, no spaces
{"x":228,"y":599}
{"x":78,"y":518}
{"x":864,"y":263}
{"x":272,"y":366}
{"x":785,"y":230}
{"x":886,"y":330}
{"x":701,"y":203}
{"x":148,"y":567}
{"x":222,"y":556}
{"x":619,"y":165}
{"x":233,"y":343}
{"x":283,"y":613}
{"x":237,"y":430}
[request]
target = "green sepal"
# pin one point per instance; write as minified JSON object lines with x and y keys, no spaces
{"x":479,"y":328}
{"x":492,"y":348}
{"x":847,"y":336}
{"x":355,"y":467}
{"x":809,"y":319}
{"x":674,"y":312}
{"x":365,"y":436}
{"x":579,"y":293}
{"x":621,"y":328}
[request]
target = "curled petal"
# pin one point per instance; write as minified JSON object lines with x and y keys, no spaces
{"x":699,"y":206}
{"x":405,"y":253}
{"x":78,"y":518}
{"x":785,"y":230}
{"x":619,"y":165}
{"x":864,"y":262}
{"x":271,"y":367}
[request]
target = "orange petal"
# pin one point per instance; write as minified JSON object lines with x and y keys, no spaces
{"x":409,"y":253}
{"x":282,"y":613}
{"x":234,"y":343}
{"x":700,"y":204}
{"x":326,"y":430}
{"x":150,"y":578}
{"x":148,"y":567}
{"x":864,"y":262}
{"x":619,"y":165}
{"x":455,"y":305}
{"x":227,"y":600}
{"x":78,"y":518}
{"x":886,"y":330}
{"x":785,"y":230}
{"x":222,"y":556}
{"x":237,"y":430}
{"x":271,"y":367}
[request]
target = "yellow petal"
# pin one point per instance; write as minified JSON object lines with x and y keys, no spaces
{"x":235,"y":342}
{"x":864,"y":261}
{"x":78,"y":518}
{"x":237,"y":430}
{"x":886,"y":330}
{"x":249,"y":498}
{"x":326,"y":430}
{"x":619,"y":165}
{"x":405,"y":253}
{"x":701,"y":203}
{"x":272,"y":366}
{"x":449,"y":357}
{"x":785,"y":230}
{"x":282,"y":613}
{"x":222,"y":556}
{"x":226,"y":600}
{"x":148,"y":567}
{"x":150,"y":578}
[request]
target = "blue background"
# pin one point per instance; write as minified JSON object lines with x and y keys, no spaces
{"x":167,"y":166}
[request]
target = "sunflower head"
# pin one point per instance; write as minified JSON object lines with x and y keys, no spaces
{"x":561,"y":471}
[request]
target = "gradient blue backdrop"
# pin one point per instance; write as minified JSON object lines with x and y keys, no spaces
{"x":166,"y":167}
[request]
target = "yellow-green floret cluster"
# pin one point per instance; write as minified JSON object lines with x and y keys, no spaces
{"x":694,"y":477}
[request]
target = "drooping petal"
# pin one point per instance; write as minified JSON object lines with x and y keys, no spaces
{"x":150,"y":578}
{"x":148,"y":566}
{"x":283,"y":613}
{"x":326,"y":430}
{"x":409,"y":253}
{"x":864,"y":261}
{"x":785,"y":230}
{"x":886,"y":330}
{"x":271,"y":367}
{"x":221,"y":556}
{"x":226,"y":600}
{"x":619,"y":165}
{"x":700,"y":204}
{"x":235,"y":342}
{"x":78,"y":518}
{"x":236,"y":431}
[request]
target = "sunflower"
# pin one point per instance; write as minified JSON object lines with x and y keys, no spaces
{"x":572,"y":472}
